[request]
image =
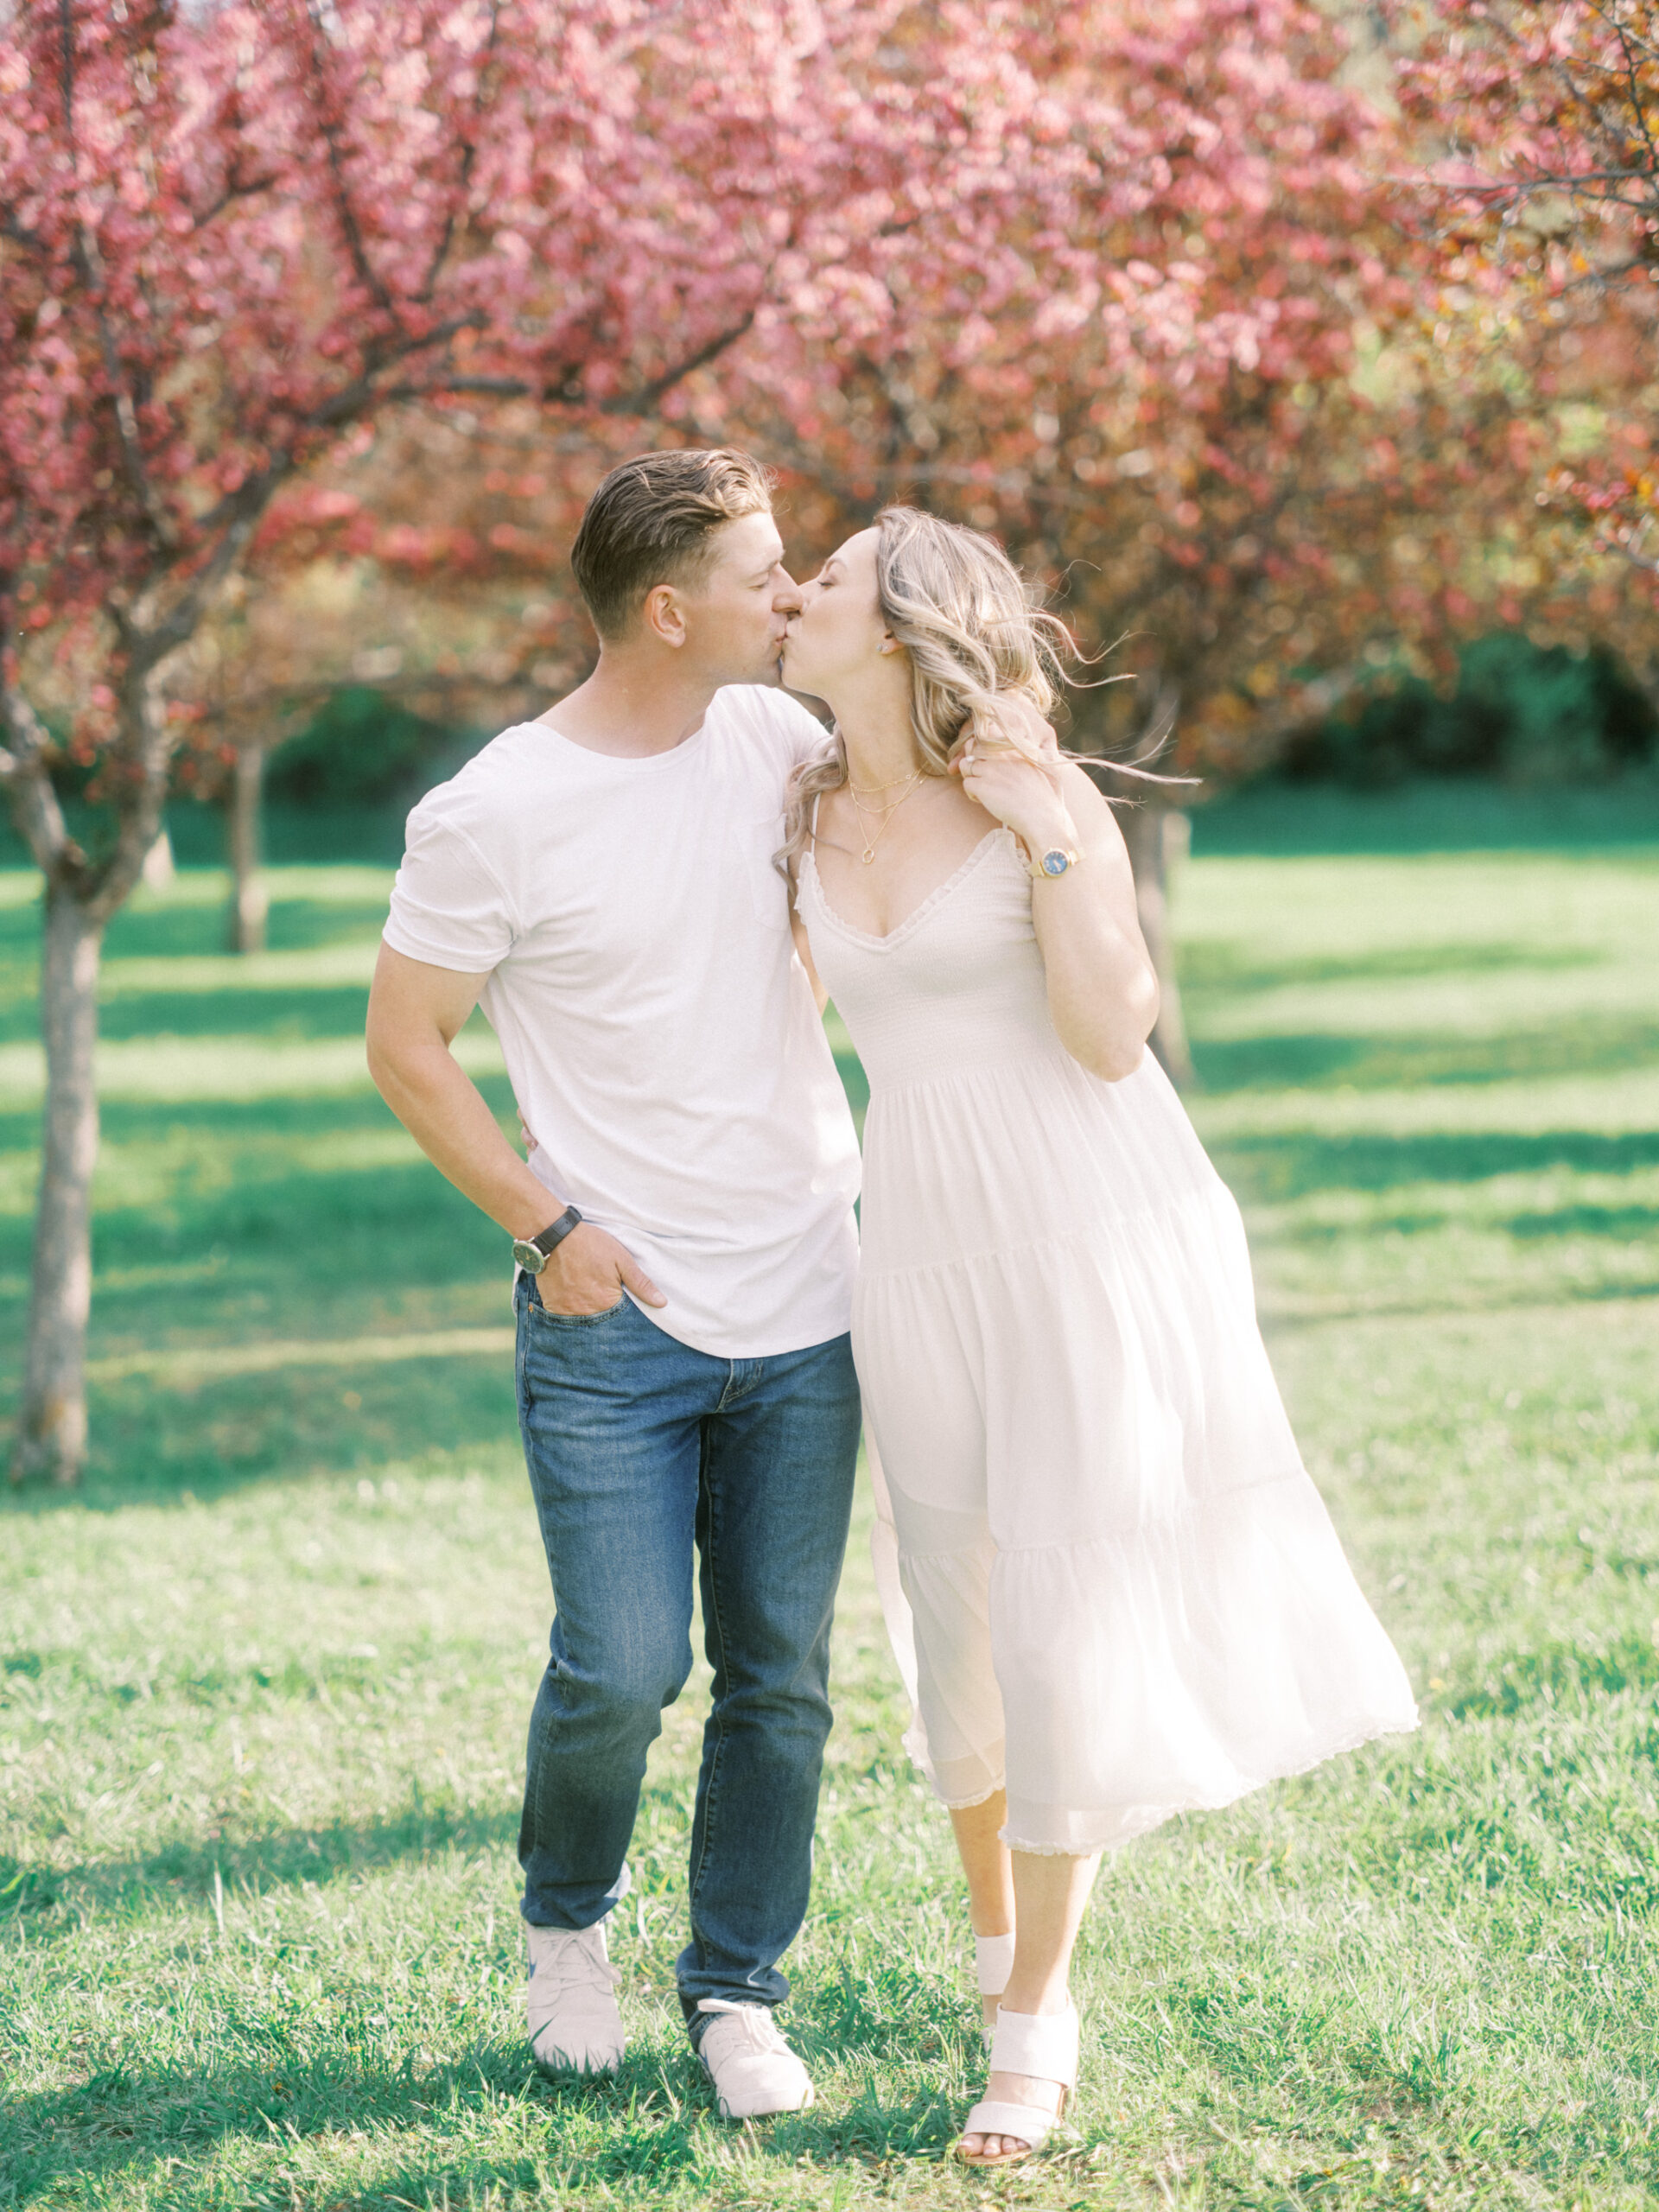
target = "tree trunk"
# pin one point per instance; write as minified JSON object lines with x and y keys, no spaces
{"x":249,"y":901}
{"x":1157,"y":837}
{"x":52,"y":1432}
{"x":159,"y":870}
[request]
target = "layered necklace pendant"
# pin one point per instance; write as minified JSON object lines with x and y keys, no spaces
{"x":884,"y":813}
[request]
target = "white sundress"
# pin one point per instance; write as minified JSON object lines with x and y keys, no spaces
{"x":1124,"y":1594}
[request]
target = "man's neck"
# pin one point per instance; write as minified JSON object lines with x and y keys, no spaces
{"x":633,"y":705}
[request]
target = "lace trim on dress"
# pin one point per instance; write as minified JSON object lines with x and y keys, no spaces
{"x":917,"y":914}
{"x":967,"y":1804}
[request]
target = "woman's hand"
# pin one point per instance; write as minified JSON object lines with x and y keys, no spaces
{"x":1012,"y":720}
{"x":1022,"y":792}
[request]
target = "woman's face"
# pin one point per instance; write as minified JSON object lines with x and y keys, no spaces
{"x":839,"y":629}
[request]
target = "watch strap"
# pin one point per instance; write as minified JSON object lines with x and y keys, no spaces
{"x":556,"y":1232}
{"x":1040,"y":873}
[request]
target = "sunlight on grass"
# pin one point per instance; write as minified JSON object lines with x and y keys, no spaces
{"x":198,"y":1363}
{"x":263,"y":1687}
{"x":228,"y":1066}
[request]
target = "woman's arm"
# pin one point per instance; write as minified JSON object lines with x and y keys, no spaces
{"x":803,"y":942}
{"x":804,"y":947}
{"x":1102,"y":990}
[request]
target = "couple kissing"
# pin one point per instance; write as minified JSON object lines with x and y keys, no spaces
{"x":1112,"y":1588}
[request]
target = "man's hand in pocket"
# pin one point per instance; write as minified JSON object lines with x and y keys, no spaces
{"x":589,"y":1271}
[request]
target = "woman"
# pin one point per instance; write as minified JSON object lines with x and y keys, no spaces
{"x":1128,"y":1598}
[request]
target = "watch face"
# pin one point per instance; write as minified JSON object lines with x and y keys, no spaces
{"x":1055,"y":863}
{"x":529,"y":1256}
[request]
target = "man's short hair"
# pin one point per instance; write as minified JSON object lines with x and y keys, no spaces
{"x":653,"y":522}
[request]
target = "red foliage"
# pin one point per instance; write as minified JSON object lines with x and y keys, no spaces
{"x":1544,"y":211}
{"x":227,"y":233}
{"x":1140,"y":291}
{"x":1095,"y":273}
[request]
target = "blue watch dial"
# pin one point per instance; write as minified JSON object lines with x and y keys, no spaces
{"x":1055,"y":863}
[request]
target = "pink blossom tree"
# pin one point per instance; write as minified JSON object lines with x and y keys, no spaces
{"x":1538,"y":199}
{"x":229,"y":234}
{"x":1089,"y":272}
{"x":1133,"y":346}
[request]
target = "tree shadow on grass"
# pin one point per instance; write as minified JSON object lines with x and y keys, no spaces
{"x":286,"y":1015}
{"x":1221,"y":964}
{"x":264,"y":1241}
{"x":150,"y":1443}
{"x":1618,"y":1224}
{"x":42,"y":1902}
{"x":1590,"y":1045}
{"x":1300,"y":1162}
{"x":125,"y":2117}
{"x":1275,"y":818}
{"x":268,"y":1142}
{"x":168,"y":930}
{"x":296,"y":1015}
{"x":155,"y":1443}
{"x":653,"y":2121}
{"x":344,"y":1226}
{"x":194,"y":929}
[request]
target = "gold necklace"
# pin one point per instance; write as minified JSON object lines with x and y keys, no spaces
{"x":870,"y":790}
{"x":886,"y":813}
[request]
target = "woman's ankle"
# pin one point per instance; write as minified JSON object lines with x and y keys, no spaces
{"x":1047,"y":1998}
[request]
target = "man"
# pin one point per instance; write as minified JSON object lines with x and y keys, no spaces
{"x":600,"y":881}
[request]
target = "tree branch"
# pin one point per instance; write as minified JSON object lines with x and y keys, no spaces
{"x":89,"y":261}
{"x":558,"y":392}
{"x":1549,"y":181}
{"x":468,"y":162}
{"x":162,"y":525}
{"x":346,"y":214}
{"x":239,"y":515}
{"x":139,"y":799}
{"x":232,"y":192}
{"x":12,"y":229}
{"x":27,"y":784}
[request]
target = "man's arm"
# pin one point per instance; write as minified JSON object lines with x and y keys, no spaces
{"x":415,"y":1011}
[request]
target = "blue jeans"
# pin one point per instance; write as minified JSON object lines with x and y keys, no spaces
{"x":639,"y":1451}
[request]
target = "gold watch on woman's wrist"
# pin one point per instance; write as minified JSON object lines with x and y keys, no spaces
{"x":1059,"y":859}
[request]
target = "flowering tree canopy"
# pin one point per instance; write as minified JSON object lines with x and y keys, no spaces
{"x":228,"y":234}
{"x":1543,"y":209}
{"x":1144,"y":290}
{"x":1114,"y":295}
{"x":1121,"y":279}
{"x":1140,"y":289}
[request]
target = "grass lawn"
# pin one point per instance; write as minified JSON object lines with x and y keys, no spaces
{"x":263,"y":1685}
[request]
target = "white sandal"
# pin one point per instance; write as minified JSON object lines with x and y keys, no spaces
{"x":1043,"y":2045}
{"x":993,"y":1964}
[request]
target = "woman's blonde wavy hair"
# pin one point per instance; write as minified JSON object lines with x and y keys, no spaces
{"x":973,"y":631}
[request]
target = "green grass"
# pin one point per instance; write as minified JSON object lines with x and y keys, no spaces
{"x":263,"y":1685}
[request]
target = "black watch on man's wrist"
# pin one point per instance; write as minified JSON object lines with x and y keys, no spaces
{"x":533,"y":1252}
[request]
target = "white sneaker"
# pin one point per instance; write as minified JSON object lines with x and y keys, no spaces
{"x":574,"y":2025}
{"x":752,"y":2069}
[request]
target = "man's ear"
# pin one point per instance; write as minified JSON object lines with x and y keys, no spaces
{"x":663,"y":614}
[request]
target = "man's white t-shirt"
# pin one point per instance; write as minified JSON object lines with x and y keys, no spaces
{"x":660,"y":1033}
